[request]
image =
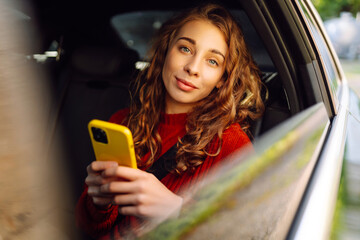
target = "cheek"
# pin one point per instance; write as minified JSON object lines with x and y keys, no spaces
{"x":166,"y":70}
{"x":171,"y":58}
{"x":212,"y":78}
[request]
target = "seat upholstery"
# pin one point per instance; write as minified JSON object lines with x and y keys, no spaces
{"x":95,"y":85}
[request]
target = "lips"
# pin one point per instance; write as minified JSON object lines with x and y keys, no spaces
{"x":185,"y":85}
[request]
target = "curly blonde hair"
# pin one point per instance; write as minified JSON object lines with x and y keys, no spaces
{"x":237,"y":101}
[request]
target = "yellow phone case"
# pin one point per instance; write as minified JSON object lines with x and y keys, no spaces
{"x":112,"y":142}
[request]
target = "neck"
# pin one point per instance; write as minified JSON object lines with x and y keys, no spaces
{"x":173,"y":107}
{"x":176,"y":110}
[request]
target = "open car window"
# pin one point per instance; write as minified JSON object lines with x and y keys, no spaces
{"x":258,"y":192}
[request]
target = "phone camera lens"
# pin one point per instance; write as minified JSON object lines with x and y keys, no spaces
{"x":99,"y":135}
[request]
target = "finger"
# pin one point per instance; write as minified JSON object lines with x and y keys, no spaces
{"x":132,"y":211}
{"x":94,"y":191}
{"x":97,"y":180}
{"x":97,"y":166}
{"x":102,"y":201}
{"x":93,"y":180}
{"x":125,"y":173}
{"x":119,"y":187}
{"x":129,"y":199}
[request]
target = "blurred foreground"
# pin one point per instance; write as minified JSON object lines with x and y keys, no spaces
{"x":33,"y":197}
{"x":347,"y":220}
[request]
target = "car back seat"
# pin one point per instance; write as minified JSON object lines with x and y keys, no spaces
{"x":95,"y":85}
{"x":276,"y":105}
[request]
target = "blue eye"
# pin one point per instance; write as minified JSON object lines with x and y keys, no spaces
{"x":213,"y":62}
{"x":185,"y":49}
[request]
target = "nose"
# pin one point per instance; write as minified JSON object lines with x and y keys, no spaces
{"x":192,"y":67}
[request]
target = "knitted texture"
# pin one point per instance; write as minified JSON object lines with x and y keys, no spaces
{"x":107,"y":224}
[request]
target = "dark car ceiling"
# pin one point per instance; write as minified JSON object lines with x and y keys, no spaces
{"x":80,"y":20}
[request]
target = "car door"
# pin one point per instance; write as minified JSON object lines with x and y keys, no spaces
{"x":288,"y":188}
{"x":316,"y":219}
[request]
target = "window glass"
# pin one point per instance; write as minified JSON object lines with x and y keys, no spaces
{"x":253,"y":196}
{"x":136,"y":29}
{"x":325,"y":55}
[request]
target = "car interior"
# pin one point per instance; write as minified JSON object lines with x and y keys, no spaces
{"x":98,"y":54}
{"x":91,"y":51}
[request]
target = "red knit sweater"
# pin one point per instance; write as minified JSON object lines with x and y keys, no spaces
{"x":101,"y":223}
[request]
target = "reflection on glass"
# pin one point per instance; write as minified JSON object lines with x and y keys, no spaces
{"x":326,"y":57}
{"x":254,"y":197}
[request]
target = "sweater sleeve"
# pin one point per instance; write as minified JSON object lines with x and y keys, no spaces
{"x":119,"y":116}
{"x":92,"y":220}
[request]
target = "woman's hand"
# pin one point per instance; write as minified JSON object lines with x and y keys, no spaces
{"x":95,"y":180}
{"x":139,"y":193}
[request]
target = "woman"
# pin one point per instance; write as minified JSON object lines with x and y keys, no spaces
{"x":199,"y":92}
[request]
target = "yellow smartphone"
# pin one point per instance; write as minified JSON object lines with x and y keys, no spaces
{"x":112,"y":142}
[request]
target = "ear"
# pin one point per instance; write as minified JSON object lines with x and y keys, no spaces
{"x":219,"y":84}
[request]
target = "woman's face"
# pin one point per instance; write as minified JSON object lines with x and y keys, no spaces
{"x":194,"y":65}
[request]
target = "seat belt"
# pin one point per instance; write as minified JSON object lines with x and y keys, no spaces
{"x":165,"y":164}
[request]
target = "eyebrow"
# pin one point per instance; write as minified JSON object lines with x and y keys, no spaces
{"x":192,"y":41}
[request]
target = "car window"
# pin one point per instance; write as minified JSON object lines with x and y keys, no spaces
{"x":136,"y":29}
{"x":259,"y":192}
{"x":325,"y":55}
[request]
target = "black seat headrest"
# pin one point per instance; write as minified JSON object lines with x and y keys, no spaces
{"x":103,"y":60}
